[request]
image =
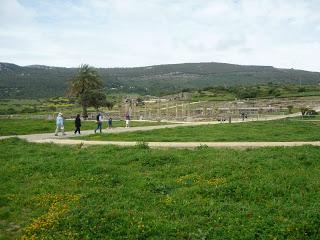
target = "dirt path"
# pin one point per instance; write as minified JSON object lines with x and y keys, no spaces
{"x":66,"y":139}
{"x":43,"y":136}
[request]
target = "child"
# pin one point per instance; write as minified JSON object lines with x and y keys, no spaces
{"x":109,"y":123}
{"x":127,"y":120}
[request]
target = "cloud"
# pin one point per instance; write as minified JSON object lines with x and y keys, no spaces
{"x":108,"y":33}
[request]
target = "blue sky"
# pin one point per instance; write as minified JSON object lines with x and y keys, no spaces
{"x":126,"y":33}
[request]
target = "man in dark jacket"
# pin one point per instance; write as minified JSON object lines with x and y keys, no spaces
{"x":99,"y":123}
{"x":77,"y":124}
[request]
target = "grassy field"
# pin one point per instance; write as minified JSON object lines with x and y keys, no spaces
{"x":54,"y":192}
{"x":305,"y":118}
{"x":280,"y":130}
{"x":29,"y":126}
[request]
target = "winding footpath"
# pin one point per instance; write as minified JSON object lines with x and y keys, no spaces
{"x":67,"y":139}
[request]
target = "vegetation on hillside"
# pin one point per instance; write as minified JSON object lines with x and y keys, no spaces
{"x":270,"y":90}
{"x":43,"y":81}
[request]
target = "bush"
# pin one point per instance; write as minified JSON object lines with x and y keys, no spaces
{"x":274,"y":92}
{"x":11,"y":111}
{"x":311,"y":113}
{"x":52,"y":108}
{"x":290,"y":108}
{"x":304,"y":110}
{"x":247,"y":93}
{"x":202,"y":147}
{"x":142,"y":145}
{"x":29,"y":110}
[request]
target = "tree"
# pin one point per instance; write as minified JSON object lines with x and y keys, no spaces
{"x":244,"y":93}
{"x":87,"y":87}
{"x":94,"y":98}
{"x":109,"y":105}
{"x":274,"y":92}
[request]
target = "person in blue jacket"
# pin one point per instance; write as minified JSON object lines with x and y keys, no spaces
{"x":60,"y":125}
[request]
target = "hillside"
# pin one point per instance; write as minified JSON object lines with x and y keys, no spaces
{"x":43,"y":81}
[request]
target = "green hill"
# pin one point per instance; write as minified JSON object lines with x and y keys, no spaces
{"x":43,"y":81}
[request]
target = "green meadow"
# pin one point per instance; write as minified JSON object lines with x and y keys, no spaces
{"x":63,"y":192}
{"x":279,"y":130}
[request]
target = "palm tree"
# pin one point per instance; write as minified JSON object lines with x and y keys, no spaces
{"x":83,"y":84}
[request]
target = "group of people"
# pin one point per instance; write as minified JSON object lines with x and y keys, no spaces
{"x":77,"y":123}
{"x":99,"y":120}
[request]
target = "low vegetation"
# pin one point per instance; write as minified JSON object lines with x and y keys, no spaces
{"x":37,"y":106}
{"x":280,"y":130}
{"x":44,"y":81}
{"x":270,"y":90}
{"x":53,"y":192}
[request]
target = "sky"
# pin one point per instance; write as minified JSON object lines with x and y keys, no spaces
{"x":129,"y":33}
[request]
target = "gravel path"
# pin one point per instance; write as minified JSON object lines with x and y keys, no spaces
{"x":67,"y":139}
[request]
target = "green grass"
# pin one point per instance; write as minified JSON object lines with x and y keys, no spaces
{"x":62,"y":192}
{"x":280,"y":130}
{"x":29,"y":126}
{"x":305,"y":118}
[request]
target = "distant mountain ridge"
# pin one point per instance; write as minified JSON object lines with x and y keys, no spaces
{"x":36,"y":81}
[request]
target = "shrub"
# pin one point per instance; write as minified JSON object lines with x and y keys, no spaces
{"x":202,"y":147}
{"x":11,"y":111}
{"x":290,"y":108}
{"x":247,"y":93}
{"x":29,"y":110}
{"x":304,"y":110}
{"x":311,"y":113}
{"x":142,"y":145}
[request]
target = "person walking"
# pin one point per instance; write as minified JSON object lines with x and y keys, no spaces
{"x":59,"y":124}
{"x":77,"y":124}
{"x":109,"y":123}
{"x":127,"y":120}
{"x":242,"y":116}
{"x":99,"y":123}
